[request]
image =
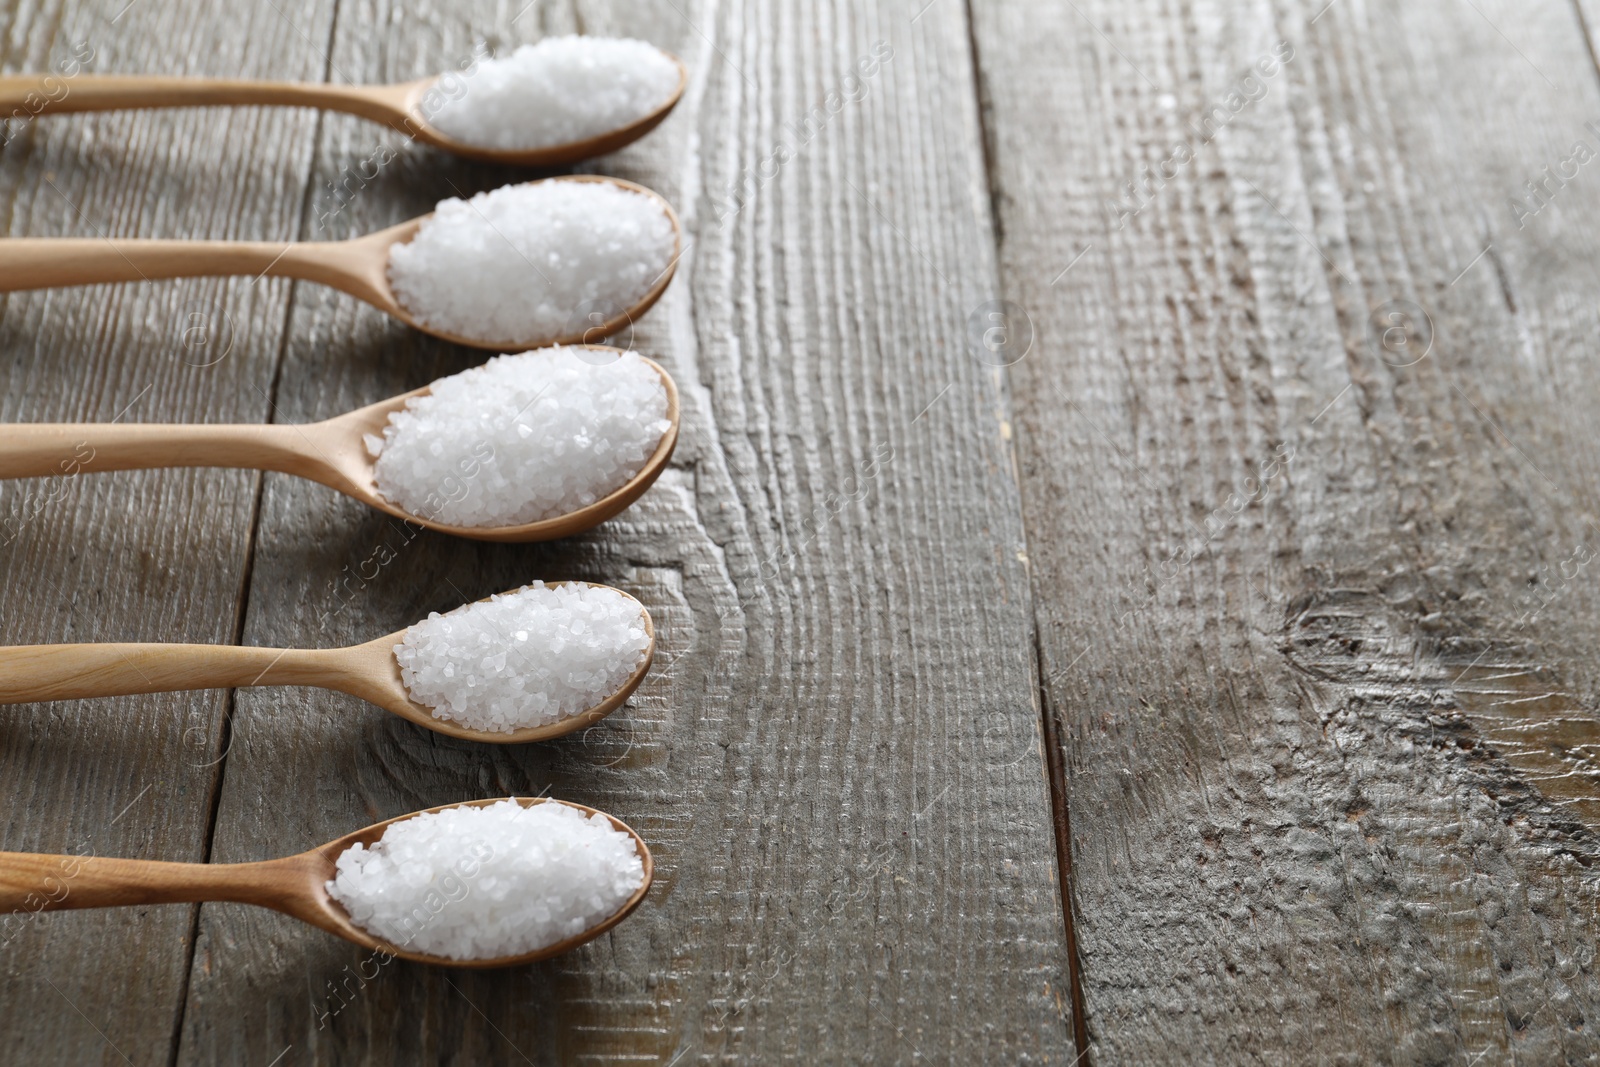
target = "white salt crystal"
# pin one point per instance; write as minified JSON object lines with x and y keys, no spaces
{"x":480,"y":883}
{"x":522,"y":438}
{"x":533,"y":262}
{"x":561,"y":90}
{"x":529,"y":658}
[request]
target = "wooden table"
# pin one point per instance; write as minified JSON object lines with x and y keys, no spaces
{"x":1243,"y":512}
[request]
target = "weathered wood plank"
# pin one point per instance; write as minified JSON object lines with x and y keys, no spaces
{"x":157,"y":556}
{"x":1317,"y":814}
{"x":837,"y":761}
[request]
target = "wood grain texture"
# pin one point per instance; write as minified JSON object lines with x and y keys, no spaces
{"x":836,"y":761}
{"x":1330,"y":727}
{"x":152,"y":556}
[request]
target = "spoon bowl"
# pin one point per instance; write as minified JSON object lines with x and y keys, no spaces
{"x":373,"y":667}
{"x":30,"y":673}
{"x":401,"y":107}
{"x":343,"y":463}
{"x":364,"y":264}
{"x":411,"y":119}
{"x":333,"y":453}
{"x":330,"y":915}
{"x":358,"y":267}
{"x":294,"y":885}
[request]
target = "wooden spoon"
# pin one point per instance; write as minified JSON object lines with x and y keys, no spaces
{"x":331,"y":452}
{"x":401,"y":107}
{"x":359,"y":266}
{"x":30,"y":673}
{"x":294,"y":885}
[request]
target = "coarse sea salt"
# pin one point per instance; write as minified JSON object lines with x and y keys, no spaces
{"x":529,"y":658}
{"x":482,"y":883}
{"x":561,"y":90}
{"x":533,"y":262}
{"x":522,"y":438}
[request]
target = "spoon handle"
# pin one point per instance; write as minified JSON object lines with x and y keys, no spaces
{"x":50,"y":94}
{"x":47,"y":262}
{"x":43,"y":450}
{"x":69,"y":672}
{"x":32,"y":882}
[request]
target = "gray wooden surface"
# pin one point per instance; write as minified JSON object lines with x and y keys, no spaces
{"x":1280,"y":629}
{"x":1330,"y":734}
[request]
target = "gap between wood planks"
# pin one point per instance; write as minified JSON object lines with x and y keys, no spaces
{"x":1050,"y":732}
{"x":1588,"y":38}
